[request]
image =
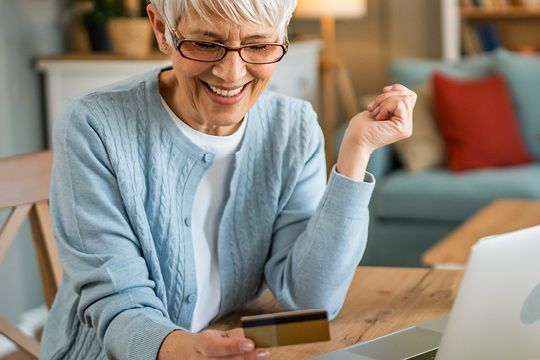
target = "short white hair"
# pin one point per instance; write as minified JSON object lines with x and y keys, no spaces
{"x":272,"y":13}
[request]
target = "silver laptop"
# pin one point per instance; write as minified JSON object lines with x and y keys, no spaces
{"x":496,"y":314}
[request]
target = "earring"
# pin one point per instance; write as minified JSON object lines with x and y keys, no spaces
{"x":164,"y":47}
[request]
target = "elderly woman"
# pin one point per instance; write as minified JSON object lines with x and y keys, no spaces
{"x":179,"y":195}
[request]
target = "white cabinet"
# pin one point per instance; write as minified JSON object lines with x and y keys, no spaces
{"x":296,"y":75}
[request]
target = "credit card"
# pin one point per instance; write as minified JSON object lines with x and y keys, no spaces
{"x":287,"y":328}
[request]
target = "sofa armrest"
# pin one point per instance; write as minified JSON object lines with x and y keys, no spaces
{"x":381,"y":161}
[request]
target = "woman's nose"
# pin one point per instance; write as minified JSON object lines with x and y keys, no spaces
{"x":231,"y":68}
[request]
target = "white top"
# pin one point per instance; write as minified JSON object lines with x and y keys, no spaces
{"x":208,"y":205}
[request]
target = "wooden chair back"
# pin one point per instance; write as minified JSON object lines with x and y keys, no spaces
{"x":24,"y":190}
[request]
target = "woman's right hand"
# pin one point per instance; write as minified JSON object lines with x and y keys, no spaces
{"x":210,"y":344}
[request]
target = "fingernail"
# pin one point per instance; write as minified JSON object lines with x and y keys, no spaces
{"x":247,"y":346}
{"x":370,"y":105}
{"x":262,"y":354}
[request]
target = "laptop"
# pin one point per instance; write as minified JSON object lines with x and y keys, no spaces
{"x":496,"y":313}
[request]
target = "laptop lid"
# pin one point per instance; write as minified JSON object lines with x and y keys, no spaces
{"x":496,"y":313}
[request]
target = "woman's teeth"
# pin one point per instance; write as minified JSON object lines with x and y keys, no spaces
{"x":225,"y":93}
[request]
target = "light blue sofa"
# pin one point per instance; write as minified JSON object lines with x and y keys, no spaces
{"x":412,"y":211}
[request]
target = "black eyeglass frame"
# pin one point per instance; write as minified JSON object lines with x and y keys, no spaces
{"x":177,"y":40}
{"x":178,"y":46}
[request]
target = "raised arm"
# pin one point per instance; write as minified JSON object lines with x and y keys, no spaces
{"x":321,"y":233}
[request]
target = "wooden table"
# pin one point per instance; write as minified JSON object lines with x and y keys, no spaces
{"x":498,"y":217}
{"x":380,"y":300}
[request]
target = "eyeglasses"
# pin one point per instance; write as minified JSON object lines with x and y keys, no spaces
{"x":208,"y":51}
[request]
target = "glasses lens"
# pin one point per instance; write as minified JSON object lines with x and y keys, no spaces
{"x":262,"y":53}
{"x":202,"y":51}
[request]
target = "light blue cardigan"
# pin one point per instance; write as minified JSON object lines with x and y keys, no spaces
{"x":124,"y":177}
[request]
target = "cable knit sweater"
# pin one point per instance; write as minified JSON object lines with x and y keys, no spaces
{"x":124,"y":177}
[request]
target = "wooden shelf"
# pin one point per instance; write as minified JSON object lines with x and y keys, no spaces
{"x":514,"y":27}
{"x":508,"y":12}
{"x":517,"y":26}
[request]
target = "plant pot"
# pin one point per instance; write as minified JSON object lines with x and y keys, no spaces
{"x":97,"y":34}
{"x":130,"y":36}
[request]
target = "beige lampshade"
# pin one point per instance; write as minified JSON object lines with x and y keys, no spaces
{"x":336,"y":8}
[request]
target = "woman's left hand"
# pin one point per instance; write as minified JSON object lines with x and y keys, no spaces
{"x":388,"y":119}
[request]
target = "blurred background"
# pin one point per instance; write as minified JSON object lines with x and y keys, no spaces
{"x":43,"y":40}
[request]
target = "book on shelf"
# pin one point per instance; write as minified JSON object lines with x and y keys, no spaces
{"x":488,"y":36}
{"x":469,"y":41}
{"x":490,"y":4}
{"x":485,"y":3}
{"x":480,"y":38}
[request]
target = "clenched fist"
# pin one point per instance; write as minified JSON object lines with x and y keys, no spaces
{"x":388,"y":118}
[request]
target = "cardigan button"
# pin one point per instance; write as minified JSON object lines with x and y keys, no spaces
{"x":190,"y":299}
{"x":207,"y":158}
{"x":187,"y":221}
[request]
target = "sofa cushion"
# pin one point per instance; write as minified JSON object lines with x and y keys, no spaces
{"x":439,"y":194}
{"x":478,"y":123}
{"x":523,"y":76}
{"x":413,"y":72}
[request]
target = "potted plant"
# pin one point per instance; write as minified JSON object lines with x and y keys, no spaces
{"x":96,"y":14}
{"x":131,"y":34}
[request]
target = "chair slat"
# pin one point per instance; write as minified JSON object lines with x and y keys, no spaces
{"x":23,"y":341}
{"x":11,"y":227}
{"x":24,"y":186}
{"x":46,"y":250}
{"x":25,"y":178}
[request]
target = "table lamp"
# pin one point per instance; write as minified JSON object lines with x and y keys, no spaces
{"x":334,"y":76}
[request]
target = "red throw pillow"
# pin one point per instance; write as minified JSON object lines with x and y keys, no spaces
{"x":478,"y":123}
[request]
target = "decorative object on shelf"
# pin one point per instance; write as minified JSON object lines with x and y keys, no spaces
{"x":96,"y":15}
{"x":334,"y":76}
{"x":116,"y":25}
{"x":131,"y":35}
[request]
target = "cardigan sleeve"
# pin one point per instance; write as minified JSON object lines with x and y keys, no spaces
{"x":100,"y":253}
{"x":320,"y":234}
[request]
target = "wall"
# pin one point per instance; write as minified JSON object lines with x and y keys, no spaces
{"x":415,"y":29}
{"x":28,"y":28}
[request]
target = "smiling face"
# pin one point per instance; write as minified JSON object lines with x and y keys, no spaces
{"x":213,"y":97}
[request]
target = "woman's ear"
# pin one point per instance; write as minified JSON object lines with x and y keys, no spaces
{"x":159,"y":27}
